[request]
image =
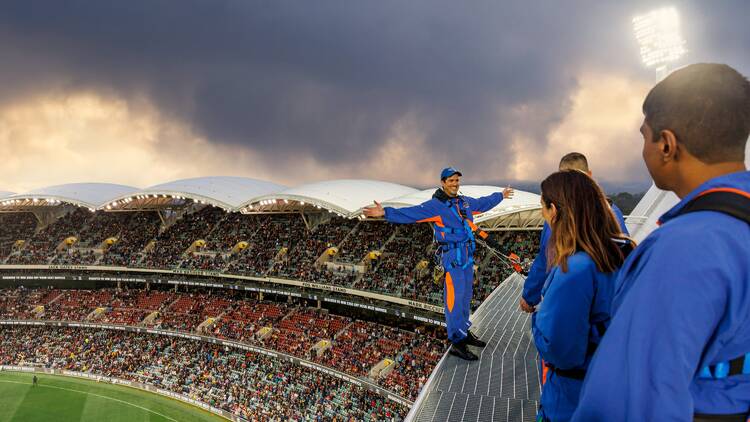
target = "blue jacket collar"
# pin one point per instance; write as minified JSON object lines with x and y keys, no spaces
{"x":738,"y":180}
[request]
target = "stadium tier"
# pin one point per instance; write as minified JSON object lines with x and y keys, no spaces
{"x":363,"y":255}
{"x":246,"y":384}
{"x":367,"y":349}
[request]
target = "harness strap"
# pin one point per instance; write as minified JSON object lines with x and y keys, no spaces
{"x":720,"y":370}
{"x":736,"y":417}
{"x":736,"y":203}
{"x":576,"y":374}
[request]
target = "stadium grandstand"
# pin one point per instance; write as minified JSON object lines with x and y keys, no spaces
{"x":281,"y":295}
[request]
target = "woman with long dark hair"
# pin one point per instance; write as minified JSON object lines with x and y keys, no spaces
{"x":583,"y":255}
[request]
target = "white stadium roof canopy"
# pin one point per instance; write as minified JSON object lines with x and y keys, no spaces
{"x":344,"y":197}
{"x":226,"y":192}
{"x":89,"y":195}
{"x":3,"y":193}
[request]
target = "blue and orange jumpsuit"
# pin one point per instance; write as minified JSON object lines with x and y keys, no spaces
{"x":453,"y":221}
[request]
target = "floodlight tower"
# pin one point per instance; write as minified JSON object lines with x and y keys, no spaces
{"x":658,"y":33}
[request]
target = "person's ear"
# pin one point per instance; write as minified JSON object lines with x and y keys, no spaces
{"x":553,"y":211}
{"x":668,"y":145}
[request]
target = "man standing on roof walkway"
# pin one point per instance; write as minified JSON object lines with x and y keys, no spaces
{"x":452,"y":217}
{"x":538,"y":273}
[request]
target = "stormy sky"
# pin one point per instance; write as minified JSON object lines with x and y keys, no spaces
{"x":143,"y":92}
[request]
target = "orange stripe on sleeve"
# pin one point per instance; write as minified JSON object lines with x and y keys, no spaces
{"x":438,"y":220}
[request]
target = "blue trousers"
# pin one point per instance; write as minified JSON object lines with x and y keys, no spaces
{"x":559,"y":398}
{"x":457,"y":299}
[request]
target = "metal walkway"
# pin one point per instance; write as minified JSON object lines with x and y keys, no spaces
{"x":503,"y":385}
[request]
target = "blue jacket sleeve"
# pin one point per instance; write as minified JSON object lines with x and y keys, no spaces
{"x":561,"y":326}
{"x":484,"y":203}
{"x":424,"y":212}
{"x":532,"y":287}
{"x":643,"y":368}
{"x":620,"y":219}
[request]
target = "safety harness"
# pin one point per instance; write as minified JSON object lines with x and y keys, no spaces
{"x":735,"y":203}
{"x":464,"y":249}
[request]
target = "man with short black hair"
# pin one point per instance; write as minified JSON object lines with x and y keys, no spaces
{"x":678,"y":347}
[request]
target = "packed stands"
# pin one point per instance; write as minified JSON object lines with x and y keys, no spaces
{"x":40,"y":248}
{"x":140,"y":228}
{"x":15,"y":227}
{"x":274,"y":234}
{"x":172,"y":243}
{"x":355,"y":345}
{"x":246,"y":384}
{"x":332,"y":252}
{"x":365,"y":237}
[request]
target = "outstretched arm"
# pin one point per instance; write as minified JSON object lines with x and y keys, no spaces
{"x":417,"y":214}
{"x":489,"y":202}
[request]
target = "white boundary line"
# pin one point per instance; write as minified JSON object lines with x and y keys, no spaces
{"x":93,"y":394}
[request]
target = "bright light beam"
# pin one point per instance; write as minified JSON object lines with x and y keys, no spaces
{"x":658,"y":34}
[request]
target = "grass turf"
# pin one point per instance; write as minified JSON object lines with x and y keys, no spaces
{"x":58,"y":398}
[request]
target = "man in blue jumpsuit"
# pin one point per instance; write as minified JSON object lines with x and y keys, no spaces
{"x":452,"y":217}
{"x":678,"y":347}
{"x":532,"y":287}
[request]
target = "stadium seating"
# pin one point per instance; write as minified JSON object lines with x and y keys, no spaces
{"x":356,"y":345}
{"x":277,"y":245}
{"x":246,"y":384}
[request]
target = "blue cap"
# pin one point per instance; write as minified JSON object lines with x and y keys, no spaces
{"x":448,"y":172}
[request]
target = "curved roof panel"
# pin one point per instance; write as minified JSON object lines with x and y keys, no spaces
{"x":345,"y":197}
{"x":90,"y":195}
{"x":226,"y":192}
{"x":4,"y":193}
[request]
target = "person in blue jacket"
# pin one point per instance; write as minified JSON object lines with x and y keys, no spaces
{"x":452,"y":217}
{"x":532,"y":286}
{"x":583,"y":253}
{"x":678,"y":347}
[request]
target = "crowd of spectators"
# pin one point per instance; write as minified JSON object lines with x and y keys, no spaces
{"x":141,"y":228}
{"x":246,"y":384}
{"x":355,"y":345}
{"x":275,"y":233}
{"x":366,"y":236}
{"x":172,"y":243}
{"x":41,"y":247}
{"x":275,"y":245}
{"x":15,"y":226}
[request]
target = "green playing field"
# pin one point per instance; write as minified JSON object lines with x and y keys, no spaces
{"x":63,"y":399}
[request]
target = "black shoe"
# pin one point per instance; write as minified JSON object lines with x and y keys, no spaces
{"x":473,"y":340}
{"x":459,"y":349}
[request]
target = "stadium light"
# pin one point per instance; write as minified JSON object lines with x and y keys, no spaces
{"x":658,"y":34}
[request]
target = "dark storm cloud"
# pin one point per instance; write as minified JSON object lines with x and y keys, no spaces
{"x":330,"y":79}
